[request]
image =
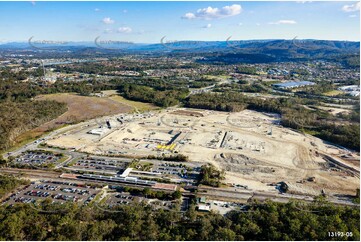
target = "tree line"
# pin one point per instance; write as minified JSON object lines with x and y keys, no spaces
{"x":9,"y":183}
{"x":18,"y":117}
{"x":139,"y":221}
{"x":164,"y":98}
{"x":211,"y":176}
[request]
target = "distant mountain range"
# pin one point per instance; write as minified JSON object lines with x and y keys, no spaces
{"x":252,"y":51}
{"x":188,"y":45}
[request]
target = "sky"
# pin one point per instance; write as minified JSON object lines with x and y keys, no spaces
{"x":148,"y":22}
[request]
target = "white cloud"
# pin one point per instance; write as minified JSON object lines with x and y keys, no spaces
{"x":214,"y":13}
{"x":189,"y":16}
{"x":351,"y":8}
{"x":353,"y":16}
{"x":240,"y":24}
{"x":124,"y":30}
{"x":108,"y":21}
{"x":97,"y":10}
{"x":207,"y":26}
{"x":284,"y":22}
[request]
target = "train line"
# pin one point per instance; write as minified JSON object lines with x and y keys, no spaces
{"x":213,"y":193}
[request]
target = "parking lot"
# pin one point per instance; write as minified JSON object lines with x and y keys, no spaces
{"x":223,"y":207}
{"x":190,"y":174}
{"x":125,"y":198}
{"x":38,"y":158}
{"x":56,"y":191}
{"x":115,"y":199}
{"x":93,"y":163}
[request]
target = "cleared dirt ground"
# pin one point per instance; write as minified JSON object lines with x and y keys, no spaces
{"x":251,"y":146}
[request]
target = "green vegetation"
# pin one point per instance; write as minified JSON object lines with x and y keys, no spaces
{"x":247,"y":70}
{"x":177,"y":157}
{"x":270,"y":221}
{"x":202,"y":82}
{"x":11,"y":89}
{"x":319,"y":89}
{"x":9,"y":183}
{"x":351,"y":61}
{"x":147,"y":192}
{"x":162,"y":98}
{"x":241,"y":86}
{"x":357,"y":197}
{"x":211,"y":176}
{"x":18,"y":117}
{"x":145,"y":166}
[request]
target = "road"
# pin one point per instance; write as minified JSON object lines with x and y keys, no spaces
{"x":212,"y":193}
{"x":246,"y":195}
{"x":230,"y":194}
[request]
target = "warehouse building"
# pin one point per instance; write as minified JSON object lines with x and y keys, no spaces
{"x":290,"y":85}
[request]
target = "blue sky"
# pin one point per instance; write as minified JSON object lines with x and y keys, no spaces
{"x":148,"y":22}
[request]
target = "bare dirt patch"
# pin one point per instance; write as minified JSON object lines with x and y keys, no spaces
{"x":252,"y":155}
{"x":188,"y":113}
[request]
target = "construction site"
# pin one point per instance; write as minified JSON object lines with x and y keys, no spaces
{"x":252,"y":147}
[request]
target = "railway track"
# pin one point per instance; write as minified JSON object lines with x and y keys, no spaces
{"x":214,"y":193}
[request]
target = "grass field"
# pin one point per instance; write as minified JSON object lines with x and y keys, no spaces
{"x":333,"y":93}
{"x":140,"y":106}
{"x":81,"y":108}
{"x":222,"y":77}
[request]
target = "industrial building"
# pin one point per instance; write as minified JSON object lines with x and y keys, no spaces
{"x":289,"y":85}
{"x":353,"y":90}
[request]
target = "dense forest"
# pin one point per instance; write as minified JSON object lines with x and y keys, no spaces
{"x":164,"y":98}
{"x":9,"y":183}
{"x":20,"y":113}
{"x":18,"y":117}
{"x":211,"y":176}
{"x":268,"y":221}
{"x":140,"y":221}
